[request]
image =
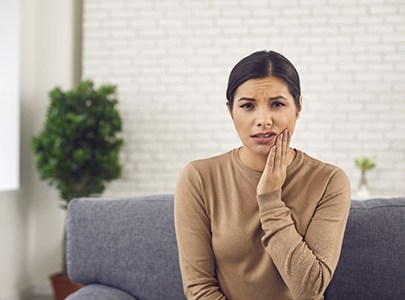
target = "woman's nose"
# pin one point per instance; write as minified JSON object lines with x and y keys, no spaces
{"x":264,"y":119}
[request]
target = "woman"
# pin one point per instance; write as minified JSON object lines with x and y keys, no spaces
{"x":263,"y":221}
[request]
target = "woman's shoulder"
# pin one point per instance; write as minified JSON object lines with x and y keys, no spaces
{"x":329,"y":178}
{"x":325,"y":169}
{"x":207,"y":169}
{"x":203,"y":173}
{"x":215,"y":161}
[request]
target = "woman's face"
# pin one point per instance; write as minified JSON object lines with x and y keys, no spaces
{"x":262,"y":109}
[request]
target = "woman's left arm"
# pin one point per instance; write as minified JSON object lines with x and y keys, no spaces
{"x":307,"y":263}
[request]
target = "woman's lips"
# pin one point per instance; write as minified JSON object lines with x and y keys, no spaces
{"x":264,"y":138}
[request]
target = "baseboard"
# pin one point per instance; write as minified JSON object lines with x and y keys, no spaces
{"x":24,"y":294}
{"x":37,"y":291}
{"x":43,"y":292}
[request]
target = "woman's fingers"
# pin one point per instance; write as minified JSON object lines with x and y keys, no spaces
{"x":283,"y":145}
{"x":278,"y":158}
{"x":287,"y":138}
{"x":284,"y":150}
{"x":274,"y":173}
{"x":270,"y":159}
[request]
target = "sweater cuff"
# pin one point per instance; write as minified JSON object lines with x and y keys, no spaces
{"x":270,"y":201}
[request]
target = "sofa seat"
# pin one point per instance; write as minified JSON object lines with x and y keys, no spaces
{"x":100,"y":292}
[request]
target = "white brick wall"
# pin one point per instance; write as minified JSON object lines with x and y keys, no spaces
{"x":171,"y":61}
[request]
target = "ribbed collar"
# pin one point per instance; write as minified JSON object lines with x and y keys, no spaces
{"x":296,"y":163}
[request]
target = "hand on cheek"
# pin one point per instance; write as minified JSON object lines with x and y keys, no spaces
{"x":275,"y":171}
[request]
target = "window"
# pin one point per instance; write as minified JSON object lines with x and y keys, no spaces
{"x":9,"y":97}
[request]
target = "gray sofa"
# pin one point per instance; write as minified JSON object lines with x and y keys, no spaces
{"x":125,"y":249}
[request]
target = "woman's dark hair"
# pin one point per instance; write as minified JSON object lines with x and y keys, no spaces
{"x":263,"y":64}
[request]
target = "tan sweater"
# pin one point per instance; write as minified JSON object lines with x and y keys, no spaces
{"x":234,"y":244}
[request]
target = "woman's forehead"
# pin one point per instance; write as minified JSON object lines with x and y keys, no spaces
{"x":266,"y":85}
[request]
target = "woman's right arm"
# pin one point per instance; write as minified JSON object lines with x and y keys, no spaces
{"x":193,"y":232}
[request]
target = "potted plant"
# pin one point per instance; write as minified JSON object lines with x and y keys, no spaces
{"x":77,"y":150}
{"x":364,"y":164}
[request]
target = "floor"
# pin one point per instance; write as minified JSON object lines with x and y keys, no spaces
{"x":38,"y":298}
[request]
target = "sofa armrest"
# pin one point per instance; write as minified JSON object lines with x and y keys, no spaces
{"x":99,"y":292}
{"x":128,"y":244}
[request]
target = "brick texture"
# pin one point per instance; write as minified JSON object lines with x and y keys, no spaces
{"x":171,"y":61}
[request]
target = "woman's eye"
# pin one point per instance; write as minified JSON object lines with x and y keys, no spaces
{"x":247,"y":106}
{"x":277,"y":104}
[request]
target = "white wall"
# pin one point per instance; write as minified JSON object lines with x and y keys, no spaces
{"x":171,"y":61}
{"x":13,"y":243}
{"x":50,"y":58}
{"x":31,"y":222}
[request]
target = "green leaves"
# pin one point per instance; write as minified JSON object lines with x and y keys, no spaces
{"x":78,"y":148}
{"x":364,"y":163}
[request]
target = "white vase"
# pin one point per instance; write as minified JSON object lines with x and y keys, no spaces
{"x":363,"y":190}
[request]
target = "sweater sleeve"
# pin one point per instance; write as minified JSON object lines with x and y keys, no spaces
{"x":193,"y":232}
{"x":307,"y":263}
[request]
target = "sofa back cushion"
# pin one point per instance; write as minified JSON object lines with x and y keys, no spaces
{"x":128,"y":244}
{"x":372,"y":262}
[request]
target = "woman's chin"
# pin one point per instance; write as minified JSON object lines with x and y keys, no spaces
{"x":261,"y":149}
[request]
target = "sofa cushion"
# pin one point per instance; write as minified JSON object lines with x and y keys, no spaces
{"x":99,"y":292}
{"x":129,"y":244}
{"x":372,"y":262}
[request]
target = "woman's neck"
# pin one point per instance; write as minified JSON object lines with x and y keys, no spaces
{"x":257,"y":162}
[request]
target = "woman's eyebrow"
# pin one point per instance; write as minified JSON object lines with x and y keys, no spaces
{"x":271,"y":98}
{"x":277,"y":98}
{"x":246,"y":99}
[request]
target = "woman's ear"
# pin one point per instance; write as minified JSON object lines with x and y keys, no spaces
{"x":299,"y":111}
{"x":228,"y":105}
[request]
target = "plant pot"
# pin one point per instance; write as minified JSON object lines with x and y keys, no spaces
{"x":62,"y":286}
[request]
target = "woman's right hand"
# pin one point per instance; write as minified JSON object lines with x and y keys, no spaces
{"x":275,"y":171}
